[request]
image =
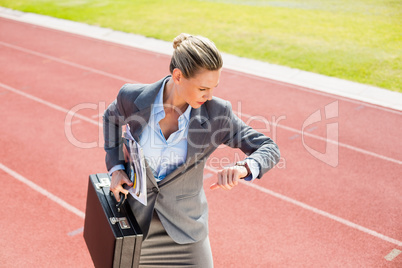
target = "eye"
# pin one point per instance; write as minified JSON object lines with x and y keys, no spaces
{"x":202,"y":89}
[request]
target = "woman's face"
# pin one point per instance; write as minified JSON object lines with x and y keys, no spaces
{"x":198,"y":89}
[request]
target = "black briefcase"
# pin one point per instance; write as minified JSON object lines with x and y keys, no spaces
{"x":112,"y":234}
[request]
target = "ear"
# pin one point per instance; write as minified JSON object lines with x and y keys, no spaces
{"x":177,"y":76}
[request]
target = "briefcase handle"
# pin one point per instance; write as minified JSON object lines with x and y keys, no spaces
{"x":122,"y":200}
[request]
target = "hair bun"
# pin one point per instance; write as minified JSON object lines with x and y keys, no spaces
{"x":179,"y":39}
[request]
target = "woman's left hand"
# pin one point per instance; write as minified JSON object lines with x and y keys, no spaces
{"x":229,"y":177}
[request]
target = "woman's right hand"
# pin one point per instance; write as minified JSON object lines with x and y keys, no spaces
{"x":119,"y":177}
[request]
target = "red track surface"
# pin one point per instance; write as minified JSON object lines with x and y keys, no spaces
{"x":347,"y":216}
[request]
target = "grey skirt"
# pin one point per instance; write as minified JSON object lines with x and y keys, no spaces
{"x":159,"y":250}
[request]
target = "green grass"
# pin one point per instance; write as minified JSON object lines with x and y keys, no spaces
{"x":358,"y":40}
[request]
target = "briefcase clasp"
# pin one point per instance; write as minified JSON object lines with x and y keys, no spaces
{"x":104,"y":182}
{"x":122,"y":221}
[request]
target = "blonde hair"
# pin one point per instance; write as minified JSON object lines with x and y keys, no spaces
{"x":193,"y":53}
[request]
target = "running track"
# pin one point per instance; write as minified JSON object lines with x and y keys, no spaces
{"x":304,"y":213}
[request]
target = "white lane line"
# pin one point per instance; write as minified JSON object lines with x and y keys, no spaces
{"x":43,"y":191}
{"x":97,"y":123}
{"x":75,"y":232}
{"x":207,"y":176}
{"x":97,"y":115}
{"x":298,"y":87}
{"x":294,"y":136}
{"x":358,"y":108}
{"x":131,"y":81}
{"x":340,"y":144}
{"x":393,"y":254}
{"x":295,"y":202}
{"x":76,"y":65}
{"x":331,"y":94}
{"x":128,"y":80}
{"x":317,"y":211}
{"x":399,"y":243}
{"x":301,"y":79}
{"x":51,"y":105}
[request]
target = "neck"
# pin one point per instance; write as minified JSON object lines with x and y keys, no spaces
{"x":171,"y":99}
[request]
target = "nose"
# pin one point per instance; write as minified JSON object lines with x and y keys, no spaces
{"x":208,"y":95}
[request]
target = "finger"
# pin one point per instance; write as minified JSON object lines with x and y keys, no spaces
{"x":116,"y":194}
{"x":235,"y":177}
{"x":127,"y":181}
{"x":236,"y":180}
{"x":124,"y":179}
{"x":231,"y":177}
{"x":118,"y":179}
{"x":119,"y":189}
{"x":124,"y":191}
{"x":223,"y":179}
{"x":214,"y":186}
{"x":217,"y":184}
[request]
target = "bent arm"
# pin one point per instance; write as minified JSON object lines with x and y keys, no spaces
{"x":112,"y":123}
{"x":254,"y":144}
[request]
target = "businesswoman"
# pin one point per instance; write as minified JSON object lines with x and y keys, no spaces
{"x":178,"y":123}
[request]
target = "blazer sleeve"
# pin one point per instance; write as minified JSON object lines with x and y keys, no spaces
{"x":113,"y":120}
{"x":254,"y":144}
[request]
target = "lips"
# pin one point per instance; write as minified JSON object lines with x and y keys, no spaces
{"x":201,"y":103}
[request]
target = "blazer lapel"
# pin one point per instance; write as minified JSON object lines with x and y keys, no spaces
{"x":140,"y":117}
{"x":138,"y":121}
{"x":197,"y":134}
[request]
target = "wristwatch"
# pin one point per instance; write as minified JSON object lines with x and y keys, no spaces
{"x":244,"y":164}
